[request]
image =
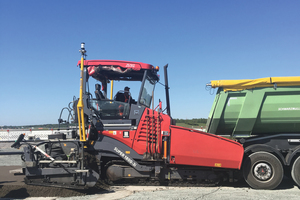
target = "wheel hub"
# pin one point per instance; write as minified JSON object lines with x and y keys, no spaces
{"x":262,"y":171}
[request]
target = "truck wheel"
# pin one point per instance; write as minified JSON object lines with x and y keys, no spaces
{"x":263,"y":170}
{"x":296,"y":171}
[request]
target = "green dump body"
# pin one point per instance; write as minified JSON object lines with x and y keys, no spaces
{"x":255,"y":111}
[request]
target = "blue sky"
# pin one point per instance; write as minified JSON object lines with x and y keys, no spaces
{"x":200,"y":40}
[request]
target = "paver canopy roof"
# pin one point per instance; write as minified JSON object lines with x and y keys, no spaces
{"x":118,"y":70}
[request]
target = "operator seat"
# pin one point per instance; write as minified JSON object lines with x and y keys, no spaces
{"x":120,"y":96}
{"x":98,"y":93}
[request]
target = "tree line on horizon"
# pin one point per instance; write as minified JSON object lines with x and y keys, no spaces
{"x":41,"y":126}
{"x":192,"y":122}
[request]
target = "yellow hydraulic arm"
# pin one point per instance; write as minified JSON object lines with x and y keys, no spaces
{"x":80,"y":105}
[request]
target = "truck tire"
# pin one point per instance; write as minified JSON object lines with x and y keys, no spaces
{"x":296,"y":171}
{"x":263,"y":170}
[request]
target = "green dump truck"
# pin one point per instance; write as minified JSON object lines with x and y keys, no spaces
{"x":263,"y":115}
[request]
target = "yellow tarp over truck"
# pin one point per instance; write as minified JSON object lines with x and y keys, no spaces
{"x":236,"y":85}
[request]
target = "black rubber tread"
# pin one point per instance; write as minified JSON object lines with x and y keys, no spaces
{"x":296,"y":171}
{"x":151,"y":181}
{"x":263,"y":157}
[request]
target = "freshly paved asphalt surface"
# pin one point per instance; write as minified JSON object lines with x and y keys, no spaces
{"x":7,"y":178}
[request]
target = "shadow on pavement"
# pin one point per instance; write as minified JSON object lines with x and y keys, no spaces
{"x":287,"y":183}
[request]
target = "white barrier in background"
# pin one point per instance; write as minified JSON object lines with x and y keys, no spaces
{"x":13,"y":134}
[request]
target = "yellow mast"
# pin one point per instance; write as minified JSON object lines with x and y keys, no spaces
{"x":111,"y":89}
{"x":80,"y":105}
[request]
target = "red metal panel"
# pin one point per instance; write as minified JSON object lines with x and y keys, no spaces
{"x":145,"y":127}
{"x":125,"y":64}
{"x":191,"y":147}
{"x":119,"y":135}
